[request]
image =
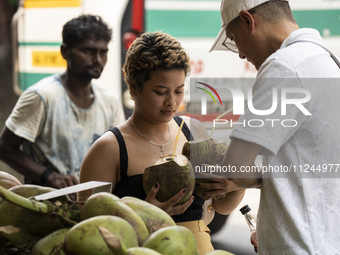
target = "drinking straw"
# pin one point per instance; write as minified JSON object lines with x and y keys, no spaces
{"x":177,"y":136}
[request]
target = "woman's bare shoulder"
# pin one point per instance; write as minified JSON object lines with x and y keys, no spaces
{"x":109,"y":139}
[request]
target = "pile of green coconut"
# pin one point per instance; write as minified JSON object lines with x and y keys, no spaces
{"x":106,"y":224}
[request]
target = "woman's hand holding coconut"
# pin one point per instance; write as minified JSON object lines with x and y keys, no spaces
{"x":170,"y":206}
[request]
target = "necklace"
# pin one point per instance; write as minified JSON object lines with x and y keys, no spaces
{"x":161,"y":146}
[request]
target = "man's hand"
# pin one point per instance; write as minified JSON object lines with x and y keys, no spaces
{"x":58,"y":181}
{"x":170,"y":206}
{"x":253,"y":241}
{"x":218,"y":186}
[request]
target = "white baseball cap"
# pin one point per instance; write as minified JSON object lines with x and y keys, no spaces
{"x":230,"y":9}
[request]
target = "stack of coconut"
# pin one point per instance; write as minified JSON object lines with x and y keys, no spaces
{"x":106,"y":224}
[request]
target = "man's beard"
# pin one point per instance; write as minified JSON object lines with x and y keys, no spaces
{"x":93,"y":74}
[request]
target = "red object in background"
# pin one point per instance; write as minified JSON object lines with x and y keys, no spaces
{"x":137,"y":23}
{"x":128,"y":39}
{"x":138,"y":15}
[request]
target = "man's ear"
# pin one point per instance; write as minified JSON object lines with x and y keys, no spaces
{"x":248,"y":19}
{"x":64,"y":51}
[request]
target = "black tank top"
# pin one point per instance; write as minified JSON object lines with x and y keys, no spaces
{"x":133,"y":185}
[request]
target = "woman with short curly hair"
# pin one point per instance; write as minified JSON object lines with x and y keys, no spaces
{"x":155,"y":71}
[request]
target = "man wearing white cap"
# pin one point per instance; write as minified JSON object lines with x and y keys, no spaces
{"x":299,"y":206}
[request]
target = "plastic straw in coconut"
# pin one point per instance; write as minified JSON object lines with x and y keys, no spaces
{"x":220,"y":116}
{"x":177,"y":136}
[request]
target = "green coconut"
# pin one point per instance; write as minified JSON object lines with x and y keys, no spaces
{"x":118,"y":248}
{"x":154,"y":217}
{"x":204,"y":151}
{"x":16,"y":238}
{"x":173,"y":173}
{"x":174,"y":240}
{"x":51,"y":244}
{"x":141,"y":251}
{"x":104,"y":203}
{"x":18,"y":209}
{"x":85,"y":238}
{"x":8,"y":181}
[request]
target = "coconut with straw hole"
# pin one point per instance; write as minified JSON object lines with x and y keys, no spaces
{"x":173,"y":173}
{"x":208,"y":152}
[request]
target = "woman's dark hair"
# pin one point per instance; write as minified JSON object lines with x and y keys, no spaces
{"x":150,"y":52}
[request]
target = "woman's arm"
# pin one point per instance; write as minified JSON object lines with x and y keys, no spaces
{"x":229,"y":202}
{"x":100,"y":163}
